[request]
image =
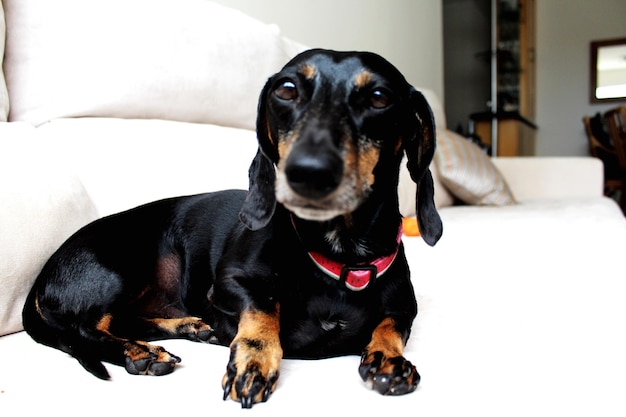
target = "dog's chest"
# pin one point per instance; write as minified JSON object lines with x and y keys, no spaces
{"x":324,"y":323}
{"x":321,"y":316}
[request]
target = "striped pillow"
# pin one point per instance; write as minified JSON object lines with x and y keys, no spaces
{"x":468,"y":173}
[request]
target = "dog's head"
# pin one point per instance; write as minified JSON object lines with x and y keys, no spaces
{"x":332,"y":127}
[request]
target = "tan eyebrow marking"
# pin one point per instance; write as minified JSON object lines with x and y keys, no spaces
{"x":308,"y":71}
{"x":363,"y":78}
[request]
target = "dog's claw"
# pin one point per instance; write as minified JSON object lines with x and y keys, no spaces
{"x":246,"y":402}
{"x":227,"y":388}
{"x":266,"y":393}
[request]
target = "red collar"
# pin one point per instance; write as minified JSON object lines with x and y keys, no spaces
{"x":357,"y":277}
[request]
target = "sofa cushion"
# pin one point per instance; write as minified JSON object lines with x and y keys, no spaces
{"x":468,"y":172}
{"x":198,"y":61}
{"x":532,"y":179}
{"x":4,"y":95}
{"x":41,"y":206}
{"x":126,"y":162}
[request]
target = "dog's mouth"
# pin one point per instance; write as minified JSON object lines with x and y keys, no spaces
{"x":313,"y":213}
{"x":345,"y":199}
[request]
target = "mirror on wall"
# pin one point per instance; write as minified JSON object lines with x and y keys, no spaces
{"x":608,"y":70}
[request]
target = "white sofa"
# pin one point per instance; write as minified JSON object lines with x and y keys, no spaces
{"x":112,"y":103}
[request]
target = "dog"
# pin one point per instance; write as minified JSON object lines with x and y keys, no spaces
{"x":307,"y":263}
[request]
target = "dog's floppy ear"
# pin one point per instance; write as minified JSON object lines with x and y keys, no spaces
{"x":419,"y":146}
{"x":259,"y":205}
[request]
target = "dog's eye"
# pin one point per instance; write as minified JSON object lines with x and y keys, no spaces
{"x":379,"y":99}
{"x":287,"y":90}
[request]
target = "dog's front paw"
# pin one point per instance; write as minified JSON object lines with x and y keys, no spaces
{"x":252,"y":371}
{"x":388,"y":376}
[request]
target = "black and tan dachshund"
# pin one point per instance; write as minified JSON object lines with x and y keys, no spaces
{"x":308,"y":263}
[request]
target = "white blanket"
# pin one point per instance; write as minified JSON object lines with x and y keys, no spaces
{"x":507,"y":326}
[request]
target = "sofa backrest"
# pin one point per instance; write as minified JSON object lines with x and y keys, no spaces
{"x":186,"y":60}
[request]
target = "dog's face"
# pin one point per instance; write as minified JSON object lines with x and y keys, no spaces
{"x":334,"y":116}
{"x":335,"y":125}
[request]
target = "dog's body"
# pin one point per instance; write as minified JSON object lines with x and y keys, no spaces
{"x":243,"y":268}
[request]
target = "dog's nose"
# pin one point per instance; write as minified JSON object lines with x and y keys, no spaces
{"x":313,"y":176}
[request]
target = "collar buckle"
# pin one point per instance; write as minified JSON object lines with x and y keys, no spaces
{"x":358,"y":278}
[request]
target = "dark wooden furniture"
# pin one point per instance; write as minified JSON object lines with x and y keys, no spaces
{"x":606,"y":135}
{"x":616,"y":125}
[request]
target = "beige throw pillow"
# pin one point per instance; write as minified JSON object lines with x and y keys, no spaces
{"x":42,"y":205}
{"x":468,"y":173}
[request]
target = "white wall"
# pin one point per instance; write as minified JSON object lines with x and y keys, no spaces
{"x":409,"y":34}
{"x":564,"y":30}
{"x":406,"y":32}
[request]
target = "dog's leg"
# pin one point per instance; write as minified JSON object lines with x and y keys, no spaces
{"x":154,"y":316}
{"x":255,"y":355}
{"x":383,"y":367}
{"x":138,"y":357}
{"x":142,"y":358}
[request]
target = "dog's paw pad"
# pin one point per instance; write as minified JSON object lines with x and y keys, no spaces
{"x":137,"y":366}
{"x":389,"y":376}
{"x":161,"y":368}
